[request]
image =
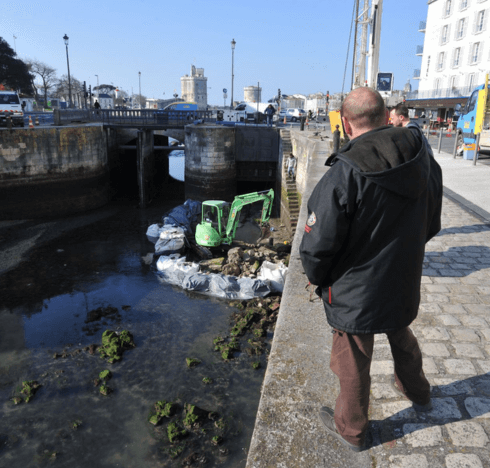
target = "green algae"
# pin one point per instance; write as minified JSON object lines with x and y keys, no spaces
{"x":256,"y":365}
{"x":175,"y":433}
{"x":192,"y":362}
{"x":76,"y":424}
{"x":105,"y":375}
{"x":207,"y":380}
{"x":163,"y":409}
{"x":105,"y":390}
{"x":114,"y":344}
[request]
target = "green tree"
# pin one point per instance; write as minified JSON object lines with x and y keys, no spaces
{"x":14,"y":73}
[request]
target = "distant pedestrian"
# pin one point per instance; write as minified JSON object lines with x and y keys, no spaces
{"x":96,"y":104}
{"x":292,"y":161}
{"x":336,"y":139}
{"x":269,"y":112}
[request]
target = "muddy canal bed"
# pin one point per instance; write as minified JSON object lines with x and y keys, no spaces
{"x":59,"y":300}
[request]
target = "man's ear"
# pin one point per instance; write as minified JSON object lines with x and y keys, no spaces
{"x":347,"y":126}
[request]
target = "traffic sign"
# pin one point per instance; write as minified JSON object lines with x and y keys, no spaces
{"x":225,"y":90}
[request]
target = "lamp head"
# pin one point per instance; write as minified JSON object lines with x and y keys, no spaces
{"x":65,"y":38}
{"x":233,"y":43}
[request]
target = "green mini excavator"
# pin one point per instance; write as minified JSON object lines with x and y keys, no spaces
{"x":219,"y":220}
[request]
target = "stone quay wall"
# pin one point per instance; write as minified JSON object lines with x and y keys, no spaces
{"x":53,"y":171}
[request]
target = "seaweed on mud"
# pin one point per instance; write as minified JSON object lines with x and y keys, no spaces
{"x":256,"y":316}
{"x":26,"y":392}
{"x":114,"y":344}
{"x":175,"y":432}
{"x":163,"y":409}
{"x":192,"y":362}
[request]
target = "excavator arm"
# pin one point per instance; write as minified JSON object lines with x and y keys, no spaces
{"x":240,"y":201}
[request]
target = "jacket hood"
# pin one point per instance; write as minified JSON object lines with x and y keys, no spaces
{"x":394,"y":158}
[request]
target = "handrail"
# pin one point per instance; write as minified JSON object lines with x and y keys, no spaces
{"x":136,"y":117}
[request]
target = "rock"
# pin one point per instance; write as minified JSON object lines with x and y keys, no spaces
{"x":232,"y":269}
{"x":212,"y":264}
{"x":235,"y":255}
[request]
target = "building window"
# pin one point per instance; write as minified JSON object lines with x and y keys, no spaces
{"x":480,"y":19}
{"x":452,"y":82}
{"x":471,"y":80}
{"x":475,"y":52}
{"x":448,"y":8}
{"x":444,"y":36}
{"x":440,"y":62}
{"x":461,"y":28}
{"x":457,"y":56}
{"x":464,"y":4}
{"x":428,"y":66}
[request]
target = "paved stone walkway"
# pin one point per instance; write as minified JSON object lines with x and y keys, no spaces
{"x":453,"y":328}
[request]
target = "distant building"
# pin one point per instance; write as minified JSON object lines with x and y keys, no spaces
{"x":252,"y":93}
{"x":106,"y":101}
{"x":195,"y":88}
{"x":455,"y":55}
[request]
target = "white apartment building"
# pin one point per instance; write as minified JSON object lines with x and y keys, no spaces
{"x":456,"y":51}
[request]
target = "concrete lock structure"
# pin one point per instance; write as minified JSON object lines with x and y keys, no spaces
{"x":210,"y":168}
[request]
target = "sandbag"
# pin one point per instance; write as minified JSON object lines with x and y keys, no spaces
{"x":172,"y":240}
{"x":275,"y":274}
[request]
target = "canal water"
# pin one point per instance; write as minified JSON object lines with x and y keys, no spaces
{"x":46,"y":310}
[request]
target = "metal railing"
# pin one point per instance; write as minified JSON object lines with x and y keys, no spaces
{"x":463,"y":92}
{"x":132,"y":117}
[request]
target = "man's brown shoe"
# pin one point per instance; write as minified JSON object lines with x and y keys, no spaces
{"x":326,"y":417}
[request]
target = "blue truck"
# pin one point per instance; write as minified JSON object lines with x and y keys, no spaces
{"x":475,"y":118}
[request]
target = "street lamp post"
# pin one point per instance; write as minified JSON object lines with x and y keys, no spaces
{"x":233,"y":43}
{"x":65,"y":38}
{"x":139,"y":76}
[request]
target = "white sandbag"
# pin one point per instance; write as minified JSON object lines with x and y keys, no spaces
{"x":196,"y":282}
{"x":251,"y":287}
{"x":275,"y":273}
{"x":172,"y":240}
{"x":153,"y":233}
{"x":224,"y":286}
{"x":178,"y":271}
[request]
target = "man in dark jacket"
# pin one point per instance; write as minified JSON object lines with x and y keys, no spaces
{"x":369,"y":219}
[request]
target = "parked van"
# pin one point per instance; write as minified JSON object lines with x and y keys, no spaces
{"x":10,"y":106}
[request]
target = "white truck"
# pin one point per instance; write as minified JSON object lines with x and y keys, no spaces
{"x":10,"y":107}
{"x":246,"y":112}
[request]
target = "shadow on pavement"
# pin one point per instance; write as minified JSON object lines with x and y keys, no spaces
{"x":461,"y":400}
{"x":457,"y":262}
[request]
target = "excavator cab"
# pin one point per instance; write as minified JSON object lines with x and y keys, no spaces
{"x":212,"y":228}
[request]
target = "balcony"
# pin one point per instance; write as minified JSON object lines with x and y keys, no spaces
{"x":420,"y":50}
{"x":416,"y":74}
{"x":422,"y":26}
{"x":455,"y":92}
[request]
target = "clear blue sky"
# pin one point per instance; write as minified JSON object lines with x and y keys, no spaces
{"x":299,"y":47}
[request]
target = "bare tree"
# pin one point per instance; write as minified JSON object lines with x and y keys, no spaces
{"x":47,"y":75}
{"x":62,"y":89}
